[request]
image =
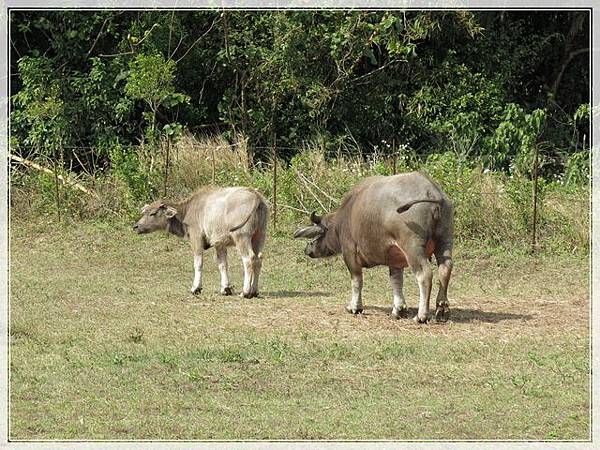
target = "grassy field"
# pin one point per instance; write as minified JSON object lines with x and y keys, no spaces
{"x":107,"y":343}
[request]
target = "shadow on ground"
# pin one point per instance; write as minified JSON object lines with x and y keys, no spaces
{"x":459,"y":315}
{"x":284,"y":294}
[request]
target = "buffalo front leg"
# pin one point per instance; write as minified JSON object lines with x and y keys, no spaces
{"x":444,"y":260}
{"x":397,"y":280}
{"x":355,"y":306}
{"x":221,"y":253}
{"x":197,"y":283}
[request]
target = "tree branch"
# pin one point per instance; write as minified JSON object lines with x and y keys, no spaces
{"x":564,"y":66}
{"x":97,"y":37}
{"x":64,"y":180}
{"x":116,"y":54}
{"x":379,"y":69}
{"x":132,"y":46}
{"x":577,"y":21}
{"x":170,"y":32}
{"x":198,"y":40}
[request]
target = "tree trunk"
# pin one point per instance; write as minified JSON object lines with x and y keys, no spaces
{"x":569,"y":53}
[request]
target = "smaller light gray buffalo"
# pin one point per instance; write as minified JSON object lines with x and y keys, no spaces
{"x":397,"y":221}
{"x":219,"y":218}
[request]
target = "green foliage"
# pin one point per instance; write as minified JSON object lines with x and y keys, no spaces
{"x":150,"y":79}
{"x":41,"y":113}
{"x":101,"y":109}
{"x":467,"y":107}
{"x":577,"y":169}
{"x":582,"y":112}
{"x":128,"y":167}
{"x":514,"y":140}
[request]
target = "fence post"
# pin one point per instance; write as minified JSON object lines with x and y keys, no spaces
{"x":534,"y":200}
{"x":213,"y":163}
{"x":394,"y":156}
{"x":167,"y":166}
{"x":274,"y":158}
{"x":274,"y":161}
{"x":56,"y":189}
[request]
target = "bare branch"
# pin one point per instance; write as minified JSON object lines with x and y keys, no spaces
{"x":301,"y":178}
{"x":205,"y":79}
{"x":578,"y":19}
{"x":146,"y":34}
{"x":170,"y":32}
{"x":564,"y":66}
{"x":299,"y":199}
{"x":334,"y":200}
{"x":14,"y":47}
{"x":64,"y":180}
{"x":177,"y":47}
{"x":304,"y":211}
{"x":379,"y":69}
{"x":198,"y":40}
{"x":132,"y":46}
{"x":116,"y":54}
{"x":97,"y":37}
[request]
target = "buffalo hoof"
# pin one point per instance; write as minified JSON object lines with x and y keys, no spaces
{"x":227,"y":290}
{"x":418,"y":319}
{"x":354,"y":310}
{"x":401,"y":313}
{"x":442,"y":315}
{"x":196,"y":291}
{"x":249,"y":294}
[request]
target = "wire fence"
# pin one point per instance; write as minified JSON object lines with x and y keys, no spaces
{"x":270,"y":160}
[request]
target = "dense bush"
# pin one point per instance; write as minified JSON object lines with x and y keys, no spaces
{"x":418,"y":78}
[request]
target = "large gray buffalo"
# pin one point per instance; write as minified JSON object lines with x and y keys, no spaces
{"x":397,"y":221}
{"x":219,"y":218}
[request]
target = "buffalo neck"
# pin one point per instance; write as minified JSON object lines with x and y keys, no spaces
{"x":332,"y":238}
{"x":175,"y":224}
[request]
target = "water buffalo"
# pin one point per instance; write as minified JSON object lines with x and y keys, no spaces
{"x":398,"y":221}
{"x":219,"y":218}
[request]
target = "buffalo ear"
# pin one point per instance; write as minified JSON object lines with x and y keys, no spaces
{"x":308,"y":232}
{"x":314,"y":218}
{"x":170,"y":212}
{"x":144,"y":209}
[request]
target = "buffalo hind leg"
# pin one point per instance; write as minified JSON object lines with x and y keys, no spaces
{"x":258,"y":242}
{"x":249,"y":259}
{"x":423,"y":273}
{"x":221,"y":255}
{"x":443,"y":257}
{"x":397,"y":280}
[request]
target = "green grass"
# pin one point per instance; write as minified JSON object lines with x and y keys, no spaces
{"x":107,"y":343}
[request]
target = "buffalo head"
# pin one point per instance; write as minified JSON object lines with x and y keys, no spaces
{"x":155,"y":216}
{"x":317,"y":232}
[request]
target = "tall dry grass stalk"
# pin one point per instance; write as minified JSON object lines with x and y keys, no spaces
{"x":203,"y":161}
